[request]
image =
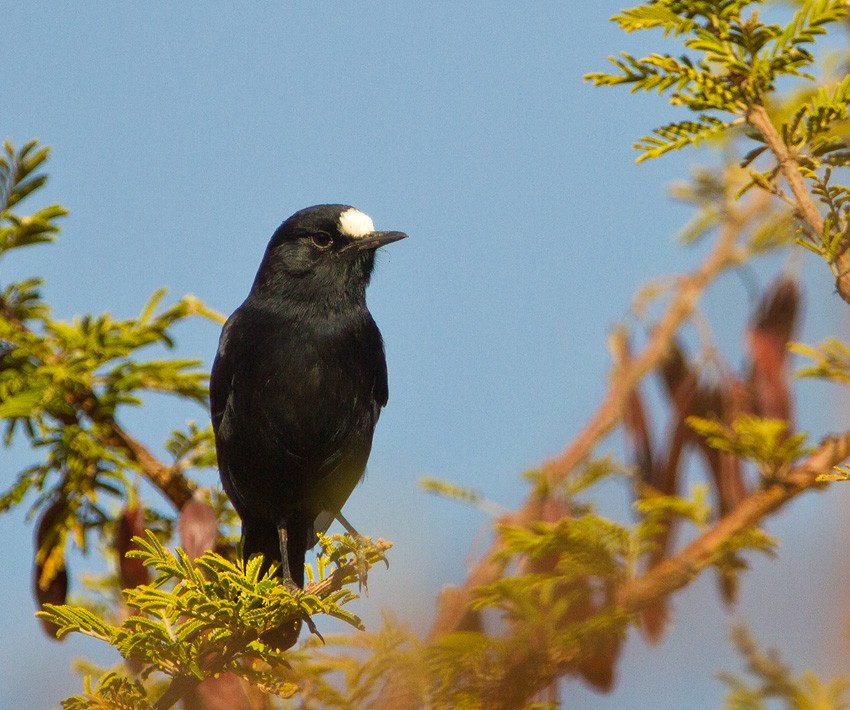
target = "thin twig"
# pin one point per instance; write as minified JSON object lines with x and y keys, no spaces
{"x":806,"y":207}
{"x":808,"y":210}
{"x":168,"y":479}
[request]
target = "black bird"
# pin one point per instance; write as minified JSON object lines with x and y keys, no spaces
{"x":297,"y":386}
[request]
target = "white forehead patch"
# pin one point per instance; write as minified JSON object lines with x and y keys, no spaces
{"x":353,"y":223}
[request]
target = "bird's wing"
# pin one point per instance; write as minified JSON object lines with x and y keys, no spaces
{"x":344,"y":457}
{"x":380,"y":386}
{"x":221,"y":377}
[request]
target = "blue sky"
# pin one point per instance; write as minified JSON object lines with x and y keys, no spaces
{"x":183,"y":135}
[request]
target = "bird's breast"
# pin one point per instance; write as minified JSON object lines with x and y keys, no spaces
{"x":304,"y":388}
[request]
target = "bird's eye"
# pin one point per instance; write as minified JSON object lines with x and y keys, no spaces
{"x":321,"y":240}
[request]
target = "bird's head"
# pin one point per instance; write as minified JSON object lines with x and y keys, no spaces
{"x":321,"y":252}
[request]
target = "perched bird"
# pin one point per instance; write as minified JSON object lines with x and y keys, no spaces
{"x":298,"y":384}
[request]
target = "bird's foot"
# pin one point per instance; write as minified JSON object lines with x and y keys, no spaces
{"x":291,"y":586}
{"x":361,"y":548}
{"x":360,"y":544}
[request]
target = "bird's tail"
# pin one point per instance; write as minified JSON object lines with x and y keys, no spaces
{"x":261,"y":537}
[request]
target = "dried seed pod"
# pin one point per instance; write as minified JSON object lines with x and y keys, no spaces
{"x":131,"y":571}
{"x":197,"y":526}
{"x":679,"y":378}
{"x":50,"y":575}
{"x":723,"y":401}
{"x":680,"y":383}
{"x":654,"y":617}
{"x":597,"y":667}
{"x":635,"y":420}
{"x":636,"y":425}
{"x":223,"y":692}
{"x":767,"y":340}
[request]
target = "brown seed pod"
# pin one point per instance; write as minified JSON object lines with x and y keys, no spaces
{"x":131,"y":571}
{"x":767,"y":341}
{"x":197,"y":526}
{"x":50,"y":575}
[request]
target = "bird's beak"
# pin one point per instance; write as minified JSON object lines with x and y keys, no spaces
{"x":374,"y":240}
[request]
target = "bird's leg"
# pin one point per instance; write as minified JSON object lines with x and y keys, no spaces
{"x":284,"y":562}
{"x":349,"y":528}
{"x":360,"y":544}
{"x":290,"y":583}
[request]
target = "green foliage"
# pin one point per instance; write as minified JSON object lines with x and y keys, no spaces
{"x":63,"y":386}
{"x":777,"y":230}
{"x":734,"y":64}
{"x":338,"y":551}
{"x":656,"y":512}
{"x":582,"y":480}
{"x":765,"y":441}
{"x":579,"y":482}
{"x":586,"y":545}
{"x":728,"y":77}
{"x":193,"y":448}
{"x":17,"y":181}
{"x":393,"y":652}
{"x":713,"y":193}
{"x":831,"y":360}
{"x":832,"y":240}
{"x":706,"y":190}
{"x":816,"y":117}
{"x":774,"y":681}
{"x":558,"y":602}
{"x":461,"y":494}
{"x":112,"y":691}
{"x":842,"y":473}
{"x":727,"y":557}
{"x":677,"y":135}
{"x":84,"y":366}
{"x":197,"y":620}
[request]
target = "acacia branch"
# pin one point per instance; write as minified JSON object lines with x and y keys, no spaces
{"x":168,"y":479}
{"x":806,"y":207}
{"x":790,"y":167}
{"x":675,"y":572}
